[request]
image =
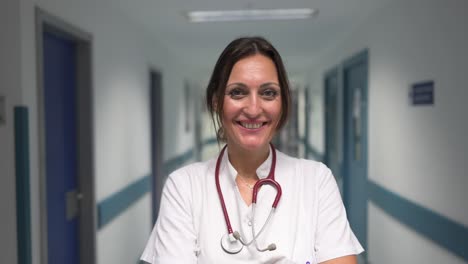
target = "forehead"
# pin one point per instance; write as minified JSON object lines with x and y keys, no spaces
{"x":255,"y":66}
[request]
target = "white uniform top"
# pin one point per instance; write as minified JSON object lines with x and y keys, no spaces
{"x":309,"y":225}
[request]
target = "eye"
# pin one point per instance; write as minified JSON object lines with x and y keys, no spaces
{"x":237,"y":93}
{"x":269,"y":94}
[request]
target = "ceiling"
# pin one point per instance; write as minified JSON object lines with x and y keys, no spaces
{"x":200,"y":43}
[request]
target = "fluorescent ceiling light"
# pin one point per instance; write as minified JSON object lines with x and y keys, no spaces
{"x":251,"y":14}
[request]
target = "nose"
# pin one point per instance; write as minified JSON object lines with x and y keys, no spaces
{"x":253,"y":107}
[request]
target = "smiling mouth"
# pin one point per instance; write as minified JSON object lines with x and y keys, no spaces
{"x":251,"y":125}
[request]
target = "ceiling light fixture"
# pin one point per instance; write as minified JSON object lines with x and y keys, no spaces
{"x":251,"y":15}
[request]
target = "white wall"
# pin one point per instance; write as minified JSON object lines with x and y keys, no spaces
{"x":420,"y":153}
{"x":122,"y":55}
{"x":9,"y":87}
{"x":176,"y":139}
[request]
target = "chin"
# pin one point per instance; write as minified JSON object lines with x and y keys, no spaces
{"x":253,"y":145}
{"x":249,"y":141}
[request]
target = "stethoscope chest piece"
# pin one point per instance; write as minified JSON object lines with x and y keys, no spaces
{"x":231,"y":245}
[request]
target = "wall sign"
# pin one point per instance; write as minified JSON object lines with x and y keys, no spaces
{"x":422,"y":93}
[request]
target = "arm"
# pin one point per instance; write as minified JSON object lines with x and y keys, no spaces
{"x":335,"y":241}
{"x":173,"y":237}
{"x":342,"y":260}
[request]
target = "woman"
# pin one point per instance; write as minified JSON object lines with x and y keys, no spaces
{"x":207,"y":214}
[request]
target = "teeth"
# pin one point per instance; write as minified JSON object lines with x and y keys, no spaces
{"x":251,"y":125}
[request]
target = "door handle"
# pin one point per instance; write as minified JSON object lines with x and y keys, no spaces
{"x":72,"y":199}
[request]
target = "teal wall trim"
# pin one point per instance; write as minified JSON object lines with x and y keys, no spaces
{"x":174,"y":163}
{"x":178,"y":161}
{"x":441,"y":230}
{"x":117,"y":203}
{"x":23,"y":206}
{"x":209,"y":141}
{"x":114,"y":205}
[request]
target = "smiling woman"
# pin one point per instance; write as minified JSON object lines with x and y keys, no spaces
{"x":233,"y":63}
{"x":271,"y":197}
{"x":252,"y":104}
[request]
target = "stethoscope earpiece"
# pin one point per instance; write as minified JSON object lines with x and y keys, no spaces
{"x":236,"y":235}
{"x":271,"y":247}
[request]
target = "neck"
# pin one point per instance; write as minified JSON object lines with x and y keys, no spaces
{"x":246,"y":162}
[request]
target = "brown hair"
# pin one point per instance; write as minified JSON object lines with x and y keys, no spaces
{"x":236,"y":50}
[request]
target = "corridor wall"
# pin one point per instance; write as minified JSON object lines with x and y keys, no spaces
{"x":415,"y":152}
{"x":123,"y":53}
{"x":9,"y":84}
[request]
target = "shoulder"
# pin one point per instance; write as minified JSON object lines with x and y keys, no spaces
{"x":191,"y":176}
{"x":186,"y":183}
{"x":196,"y":169}
{"x":308,"y":168}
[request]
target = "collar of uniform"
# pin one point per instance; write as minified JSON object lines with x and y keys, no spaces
{"x":262,"y":170}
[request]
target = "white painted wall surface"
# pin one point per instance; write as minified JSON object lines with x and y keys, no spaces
{"x":122,"y":56}
{"x":9,"y":88}
{"x":420,"y":153}
{"x":393,"y":242}
{"x":176,"y":139}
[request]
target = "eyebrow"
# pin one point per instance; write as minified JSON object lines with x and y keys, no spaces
{"x":261,"y":86}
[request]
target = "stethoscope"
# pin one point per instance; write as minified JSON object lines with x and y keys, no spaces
{"x":232,"y":242}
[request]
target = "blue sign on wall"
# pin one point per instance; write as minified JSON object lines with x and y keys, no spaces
{"x":422,"y":93}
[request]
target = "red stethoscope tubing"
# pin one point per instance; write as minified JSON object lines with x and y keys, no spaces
{"x":268,"y":180}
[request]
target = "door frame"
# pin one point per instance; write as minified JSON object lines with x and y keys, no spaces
{"x":307,"y":109}
{"x":156,"y":115}
{"x":334,"y":72}
{"x":361,"y":57}
{"x":46,"y":22}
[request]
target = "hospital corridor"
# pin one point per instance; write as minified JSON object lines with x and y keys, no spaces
{"x":101,"y":100}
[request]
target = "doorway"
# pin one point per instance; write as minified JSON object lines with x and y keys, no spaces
{"x":355,"y":156}
{"x":332,"y":140}
{"x":156,"y":141}
{"x":68,"y":224}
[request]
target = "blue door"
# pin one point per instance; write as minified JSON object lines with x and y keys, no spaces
{"x":59,"y":64}
{"x":355,"y":72}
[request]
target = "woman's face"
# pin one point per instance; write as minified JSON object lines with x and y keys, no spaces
{"x":252,"y":103}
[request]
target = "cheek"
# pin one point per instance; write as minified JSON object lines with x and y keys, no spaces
{"x":231,"y":109}
{"x":228,"y":117}
{"x":276,"y":114}
{"x":227,"y":113}
{"x":276,"y":111}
